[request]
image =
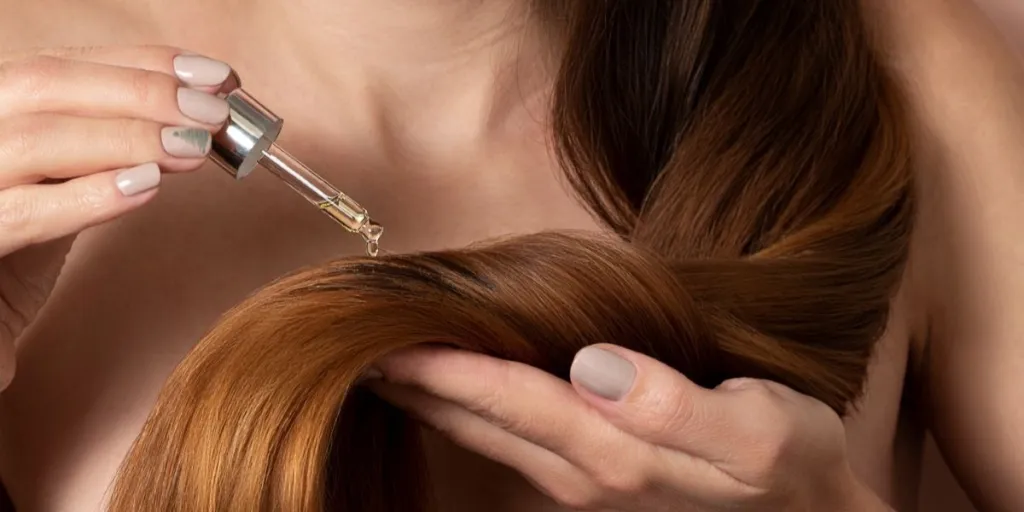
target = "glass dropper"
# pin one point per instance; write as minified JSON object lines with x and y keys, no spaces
{"x":338,"y":206}
{"x":249,"y":140}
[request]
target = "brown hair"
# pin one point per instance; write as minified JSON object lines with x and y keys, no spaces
{"x":751,"y":160}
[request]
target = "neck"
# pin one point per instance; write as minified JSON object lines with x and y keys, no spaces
{"x":444,"y":72}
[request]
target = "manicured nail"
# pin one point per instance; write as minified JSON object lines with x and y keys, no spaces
{"x":138,"y":179}
{"x":205,"y":108}
{"x":196,"y":70}
{"x":603,"y":373}
{"x":184,"y":142}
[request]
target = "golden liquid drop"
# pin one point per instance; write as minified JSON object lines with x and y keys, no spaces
{"x":371,"y":232}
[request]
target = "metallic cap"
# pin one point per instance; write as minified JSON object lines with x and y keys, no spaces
{"x":250,"y":130}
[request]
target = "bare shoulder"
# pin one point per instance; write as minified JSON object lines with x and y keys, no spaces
{"x":965,"y":85}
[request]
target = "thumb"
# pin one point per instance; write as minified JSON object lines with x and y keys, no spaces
{"x":648,"y":399}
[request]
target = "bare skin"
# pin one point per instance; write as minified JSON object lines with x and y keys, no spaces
{"x":967,"y":89}
{"x":458,"y":162}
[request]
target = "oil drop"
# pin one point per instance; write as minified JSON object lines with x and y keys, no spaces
{"x":354,"y":218}
{"x":371,"y":232}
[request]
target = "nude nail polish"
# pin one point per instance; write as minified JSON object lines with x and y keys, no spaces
{"x":185,"y":142}
{"x":196,"y":70}
{"x":139,"y":179}
{"x":202,"y":107}
{"x":603,"y":373}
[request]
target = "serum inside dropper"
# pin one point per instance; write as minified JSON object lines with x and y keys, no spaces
{"x":249,"y":140}
{"x":333,"y":202}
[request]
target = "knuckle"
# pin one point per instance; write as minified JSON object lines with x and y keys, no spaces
{"x":90,"y":199}
{"x":132,"y":138}
{"x":820,"y":410}
{"x":778,"y":438}
{"x":148,"y":88}
{"x":624,"y":483}
{"x":757,"y":394}
{"x":580,"y":499}
{"x":17,"y":214}
{"x":774,"y":455}
{"x":518,"y":423}
{"x":496,"y":381}
{"x":667,"y":411}
{"x":30,"y":76}
{"x":39,"y":72}
{"x":142,"y":86}
{"x":569,"y":488}
{"x":494,"y":404}
{"x":22,"y":135}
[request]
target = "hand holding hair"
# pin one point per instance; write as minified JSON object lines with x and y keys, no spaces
{"x":632,"y":434}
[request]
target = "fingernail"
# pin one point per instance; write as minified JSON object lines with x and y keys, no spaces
{"x":138,"y":179}
{"x":196,"y":70}
{"x":603,"y":373}
{"x":184,"y":142}
{"x":205,"y":108}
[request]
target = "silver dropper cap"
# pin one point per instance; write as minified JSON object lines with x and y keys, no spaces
{"x":251,"y":129}
{"x":249,"y":140}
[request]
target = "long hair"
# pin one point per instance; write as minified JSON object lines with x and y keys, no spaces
{"x":750,"y":160}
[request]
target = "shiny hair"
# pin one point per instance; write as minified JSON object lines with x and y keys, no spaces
{"x":750,"y":159}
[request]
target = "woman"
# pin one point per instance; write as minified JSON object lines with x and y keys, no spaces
{"x":66,"y":421}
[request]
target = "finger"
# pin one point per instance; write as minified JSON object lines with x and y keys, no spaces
{"x":550,"y":473}
{"x":654,"y":402}
{"x":31,"y":214}
{"x":544,"y":410}
{"x":49,"y":84}
{"x":191,"y":69}
{"x":35,"y":147}
{"x":520,"y":399}
{"x":788,"y":424}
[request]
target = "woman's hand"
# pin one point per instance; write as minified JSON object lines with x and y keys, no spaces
{"x":631,"y":434}
{"x":84,"y":135}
